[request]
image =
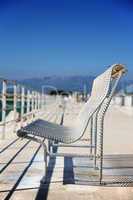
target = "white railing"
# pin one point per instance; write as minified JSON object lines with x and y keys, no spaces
{"x":25,"y":104}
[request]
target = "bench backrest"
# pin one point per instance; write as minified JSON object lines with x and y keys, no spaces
{"x":100,"y":90}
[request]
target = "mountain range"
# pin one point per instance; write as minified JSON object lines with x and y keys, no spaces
{"x":67,"y":83}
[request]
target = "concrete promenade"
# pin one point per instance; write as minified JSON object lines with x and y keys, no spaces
{"x":21,"y":163}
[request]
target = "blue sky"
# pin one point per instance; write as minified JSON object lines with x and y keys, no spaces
{"x":64,"y":37}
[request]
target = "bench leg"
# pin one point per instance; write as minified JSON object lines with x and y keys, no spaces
{"x":91,"y":136}
{"x":49,"y":145}
{"x":43,"y":180}
{"x":95,"y":140}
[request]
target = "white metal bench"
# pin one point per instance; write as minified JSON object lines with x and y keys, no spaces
{"x":94,"y":109}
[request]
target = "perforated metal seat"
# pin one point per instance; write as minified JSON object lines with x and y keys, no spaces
{"x":100,"y":91}
{"x":47,"y":130}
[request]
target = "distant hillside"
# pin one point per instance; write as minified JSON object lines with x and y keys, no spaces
{"x":71,"y":83}
{"x":68,"y":83}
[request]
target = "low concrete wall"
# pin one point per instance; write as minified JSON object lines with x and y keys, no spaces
{"x":126,"y":101}
{"x":119,"y":100}
{"x":129,"y":101}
